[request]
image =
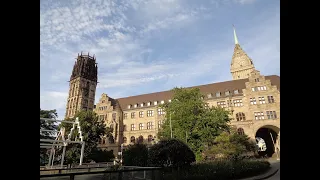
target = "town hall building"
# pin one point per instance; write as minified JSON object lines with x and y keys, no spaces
{"x":252,"y":98}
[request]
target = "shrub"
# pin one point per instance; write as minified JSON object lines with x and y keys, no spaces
{"x":222,"y":169}
{"x":101,"y":155}
{"x":170,"y":153}
{"x":136,"y":155}
{"x":231,"y":145}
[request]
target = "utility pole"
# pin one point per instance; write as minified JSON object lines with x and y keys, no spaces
{"x":170,"y":126}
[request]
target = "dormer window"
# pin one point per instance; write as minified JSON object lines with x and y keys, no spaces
{"x":141,"y":105}
{"x":149,"y":103}
{"x":227,"y":93}
{"x":129,"y":106}
{"x":218,"y":94}
{"x":155,"y":103}
{"x":209,"y":95}
{"x":136,"y":105}
{"x":236,"y":91}
{"x":162,"y":102}
{"x":102,"y":101}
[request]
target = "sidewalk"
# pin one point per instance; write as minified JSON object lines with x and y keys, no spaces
{"x":275,"y":166}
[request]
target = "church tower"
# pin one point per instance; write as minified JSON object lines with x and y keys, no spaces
{"x":241,"y":64}
{"x":83,"y":83}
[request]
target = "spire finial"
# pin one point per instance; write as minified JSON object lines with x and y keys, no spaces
{"x":235,"y":35}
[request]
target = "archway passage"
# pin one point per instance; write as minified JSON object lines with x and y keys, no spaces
{"x":269,"y":134}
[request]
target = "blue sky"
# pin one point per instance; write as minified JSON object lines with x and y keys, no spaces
{"x":145,"y":46}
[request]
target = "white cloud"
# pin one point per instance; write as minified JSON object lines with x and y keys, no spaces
{"x":124,"y":35}
{"x":245,"y":1}
{"x":54,"y":100}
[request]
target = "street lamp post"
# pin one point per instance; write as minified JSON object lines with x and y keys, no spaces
{"x":170,"y":126}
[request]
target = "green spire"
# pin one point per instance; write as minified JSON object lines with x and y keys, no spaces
{"x":235,"y":35}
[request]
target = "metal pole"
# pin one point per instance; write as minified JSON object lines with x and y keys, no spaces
{"x":82,"y":151}
{"x":170,"y":126}
{"x":274,"y":147}
{"x":50,"y":157}
{"x":186,"y":137}
{"x":63,"y":154}
{"x":54,"y":152}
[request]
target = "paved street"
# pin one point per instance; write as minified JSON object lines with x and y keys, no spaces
{"x":276,"y":165}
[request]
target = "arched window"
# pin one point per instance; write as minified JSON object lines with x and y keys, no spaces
{"x":124,"y":140}
{"x":132,"y":139}
{"x":240,"y":131}
{"x":140,"y":139}
{"x":150,"y":138}
{"x":240,"y":116}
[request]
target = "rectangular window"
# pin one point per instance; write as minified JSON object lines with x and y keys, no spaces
{"x":253,"y":101}
{"x":258,"y":115}
{"x":229,"y":103}
{"x":160,"y":111}
{"x":237,"y":102}
{"x":125,"y":116}
{"x":222,"y":104}
{"x":261,"y":100}
{"x":141,"y":114}
{"x":227,"y":93}
{"x":133,"y":115}
{"x":149,"y":113}
{"x":140,"y":126}
{"x":270,"y":99}
{"x":133,"y":127}
{"x":149,"y":125}
{"x":160,"y":124}
{"x":271,"y":114}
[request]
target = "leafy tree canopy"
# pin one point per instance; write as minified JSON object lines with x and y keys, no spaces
{"x":47,"y":125}
{"x":231,"y":145}
{"x":136,"y":155}
{"x":192,"y":120}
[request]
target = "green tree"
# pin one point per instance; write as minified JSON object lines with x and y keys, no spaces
{"x":92,"y":129}
{"x":172,"y":153}
{"x":192,"y":120}
{"x":136,"y":155}
{"x":231,"y":145}
{"x":47,"y":125}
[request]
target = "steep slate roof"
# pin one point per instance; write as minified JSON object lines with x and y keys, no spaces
{"x":205,"y":89}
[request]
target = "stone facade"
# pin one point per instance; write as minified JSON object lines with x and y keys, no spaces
{"x":82,"y":85}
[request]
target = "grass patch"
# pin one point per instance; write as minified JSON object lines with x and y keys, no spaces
{"x":219,"y":170}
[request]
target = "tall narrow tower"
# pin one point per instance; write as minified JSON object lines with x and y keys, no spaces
{"x":83,"y":83}
{"x":241,"y":64}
